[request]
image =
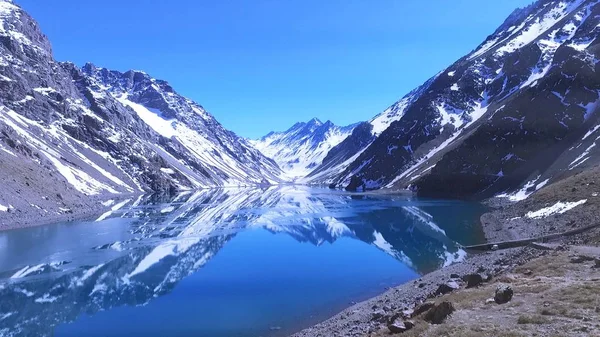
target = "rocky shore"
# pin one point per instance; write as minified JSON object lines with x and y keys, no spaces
{"x":55,"y":208}
{"x":524,"y":268}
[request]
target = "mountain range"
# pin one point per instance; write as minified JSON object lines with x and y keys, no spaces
{"x":515,"y":114}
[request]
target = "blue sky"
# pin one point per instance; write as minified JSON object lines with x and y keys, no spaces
{"x":262,"y":65}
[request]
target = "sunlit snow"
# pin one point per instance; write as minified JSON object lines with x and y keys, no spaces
{"x":558,"y":208}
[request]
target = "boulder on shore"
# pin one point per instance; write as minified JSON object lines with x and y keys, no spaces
{"x":504,"y":294}
{"x":446,"y":288}
{"x":423,"y":308}
{"x":439,"y":313}
{"x":399,"y":326}
{"x":473,"y":280}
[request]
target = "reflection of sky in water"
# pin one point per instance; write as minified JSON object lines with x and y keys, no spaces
{"x":222,"y":262}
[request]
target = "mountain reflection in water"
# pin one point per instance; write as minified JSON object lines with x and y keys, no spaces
{"x":144,"y":247}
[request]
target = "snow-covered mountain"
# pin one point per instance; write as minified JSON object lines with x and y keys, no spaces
{"x":302,"y":147}
{"x":520,"y":110}
{"x":210,"y":154}
{"x":73,"y":131}
{"x":364,"y":134}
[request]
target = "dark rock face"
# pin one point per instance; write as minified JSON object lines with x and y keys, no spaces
{"x":503,"y":294}
{"x":473,"y":280}
{"x":335,"y":159}
{"x":423,"y":308}
{"x":439,"y":313}
{"x":93,"y":131}
{"x":520,"y":108}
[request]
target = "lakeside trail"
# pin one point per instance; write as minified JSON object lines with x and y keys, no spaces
{"x":555,"y":287}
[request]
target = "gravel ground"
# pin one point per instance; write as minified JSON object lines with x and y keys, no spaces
{"x":554,"y":295}
{"x":75,"y":212}
{"x":37,"y":198}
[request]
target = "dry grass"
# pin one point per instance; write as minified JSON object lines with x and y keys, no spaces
{"x":557,"y":298}
{"x":536,"y":288}
{"x":468,"y":299}
{"x":471,"y":331}
{"x":551,"y":265}
{"x":422,"y":329}
{"x":532,"y":319}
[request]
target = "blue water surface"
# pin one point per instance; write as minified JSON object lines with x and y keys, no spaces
{"x":223,"y":262}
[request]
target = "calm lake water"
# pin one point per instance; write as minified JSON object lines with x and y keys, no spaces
{"x":216,"y":263}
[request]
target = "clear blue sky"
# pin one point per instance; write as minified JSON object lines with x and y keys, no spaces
{"x":262,"y":65}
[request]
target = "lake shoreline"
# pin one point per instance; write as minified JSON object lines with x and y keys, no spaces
{"x":299,"y":254}
{"x":27,"y":215}
{"x":506,"y":221}
{"x":357,"y":320}
{"x":92,"y":207}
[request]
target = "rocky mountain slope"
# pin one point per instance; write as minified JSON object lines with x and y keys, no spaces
{"x":515,"y":114}
{"x":69,"y":132}
{"x":302,"y":147}
{"x":364,"y":134}
{"x":315,"y":152}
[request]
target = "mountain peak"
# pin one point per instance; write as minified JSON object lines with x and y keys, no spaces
{"x":315,"y":121}
{"x":328,"y":123}
{"x":302,"y":147}
{"x":89,"y":68}
{"x":23,"y":32}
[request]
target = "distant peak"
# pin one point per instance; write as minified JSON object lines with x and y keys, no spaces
{"x":89,"y":67}
{"x":136,"y":71}
{"x":315,"y":121}
{"x":518,"y":15}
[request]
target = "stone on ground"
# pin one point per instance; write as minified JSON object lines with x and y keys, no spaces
{"x":399,"y":326}
{"x":473,"y":280}
{"x":423,"y":308}
{"x":446,"y":288}
{"x":439,"y":313}
{"x":504,"y":294}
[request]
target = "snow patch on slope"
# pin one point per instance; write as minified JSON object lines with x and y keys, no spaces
{"x":153,"y":119}
{"x":558,"y":208}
